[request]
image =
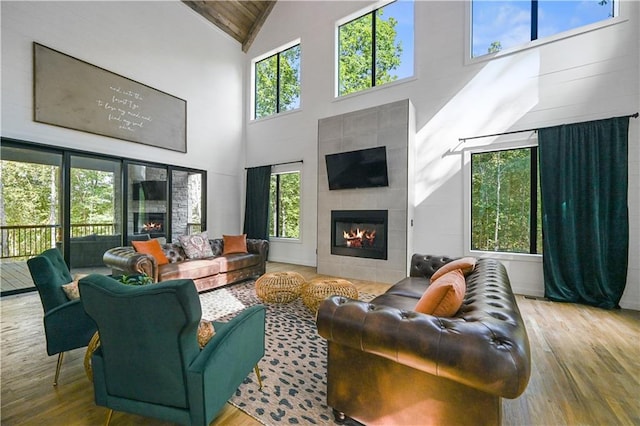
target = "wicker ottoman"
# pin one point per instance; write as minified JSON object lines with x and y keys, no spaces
{"x":279,"y":287}
{"x":315,"y":291}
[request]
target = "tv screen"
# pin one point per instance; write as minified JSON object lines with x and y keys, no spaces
{"x":150,"y":190}
{"x":365,"y":168}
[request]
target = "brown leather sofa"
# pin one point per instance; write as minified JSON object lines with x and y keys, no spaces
{"x":390,"y":365}
{"x":207,"y":273}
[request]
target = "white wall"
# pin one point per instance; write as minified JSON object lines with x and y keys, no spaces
{"x":587,"y":76}
{"x":164,"y":45}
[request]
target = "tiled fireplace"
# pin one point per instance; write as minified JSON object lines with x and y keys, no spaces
{"x":356,"y":240}
{"x":359,"y":233}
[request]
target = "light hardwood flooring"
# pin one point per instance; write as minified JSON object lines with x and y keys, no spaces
{"x":585,"y":368}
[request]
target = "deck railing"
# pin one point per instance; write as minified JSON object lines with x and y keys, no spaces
{"x":22,"y":241}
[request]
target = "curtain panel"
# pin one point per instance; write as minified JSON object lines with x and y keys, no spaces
{"x":256,"y":213}
{"x":585,"y":220}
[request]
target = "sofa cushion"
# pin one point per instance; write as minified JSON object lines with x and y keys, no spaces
{"x":71,"y":290}
{"x":233,"y":262}
{"x":465,"y":264}
{"x":206,"y":331}
{"x":196,"y":246}
{"x":190,"y":268}
{"x":444,"y":296}
{"x":174,"y":252}
{"x":153,"y":248}
{"x":234,"y":244}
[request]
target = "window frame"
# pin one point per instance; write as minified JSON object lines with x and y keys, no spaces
{"x":528,"y":143}
{"x":284,"y":169}
{"x":619,"y":10}
{"x":336,"y":45}
{"x":277,"y":51}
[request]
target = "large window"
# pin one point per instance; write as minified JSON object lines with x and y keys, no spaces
{"x":505,"y":212}
{"x":375,"y":48}
{"x":277,"y":82}
{"x":498,"y":25}
{"x":284,"y":205}
{"x":85,"y":203}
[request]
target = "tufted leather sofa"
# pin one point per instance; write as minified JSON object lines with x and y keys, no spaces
{"x":207,"y":273}
{"x":390,"y":365}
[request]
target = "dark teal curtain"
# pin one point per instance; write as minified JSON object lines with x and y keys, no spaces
{"x":585,"y":220}
{"x":256,"y":213}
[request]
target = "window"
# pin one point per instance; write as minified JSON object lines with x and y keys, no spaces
{"x":505,"y":212}
{"x":277,"y":82}
{"x":375,"y":48}
{"x":498,"y":25}
{"x":284,"y":205}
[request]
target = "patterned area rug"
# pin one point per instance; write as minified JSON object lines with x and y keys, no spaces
{"x":295,"y":362}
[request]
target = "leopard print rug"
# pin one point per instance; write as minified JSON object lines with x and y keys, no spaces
{"x":293,"y":368}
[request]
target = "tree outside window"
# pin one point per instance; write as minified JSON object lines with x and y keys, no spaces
{"x":284,"y":205}
{"x":498,"y":25}
{"x":376,"y":48}
{"x":277,"y":83}
{"x":505,"y":212}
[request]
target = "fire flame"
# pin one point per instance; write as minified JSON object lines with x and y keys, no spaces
{"x":152,"y":226}
{"x":359,"y":238}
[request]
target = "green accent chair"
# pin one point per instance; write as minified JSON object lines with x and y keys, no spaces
{"x":66,"y":324}
{"x":149,"y":362}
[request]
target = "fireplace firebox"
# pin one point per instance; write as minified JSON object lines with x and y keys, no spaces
{"x":149,"y":223}
{"x":359,"y":233}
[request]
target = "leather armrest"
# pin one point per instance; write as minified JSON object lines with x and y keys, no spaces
{"x":129,"y":261}
{"x":260,"y":247}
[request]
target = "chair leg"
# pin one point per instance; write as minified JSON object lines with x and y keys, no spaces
{"x":109,"y":414}
{"x":58,"y":366}
{"x":257,"y":370}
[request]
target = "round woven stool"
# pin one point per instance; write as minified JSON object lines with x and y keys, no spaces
{"x":279,"y":287}
{"x":315,"y":291}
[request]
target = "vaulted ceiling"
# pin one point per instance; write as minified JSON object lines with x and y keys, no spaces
{"x":241,"y":19}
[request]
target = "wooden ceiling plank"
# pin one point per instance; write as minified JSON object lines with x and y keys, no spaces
{"x":253,"y":32}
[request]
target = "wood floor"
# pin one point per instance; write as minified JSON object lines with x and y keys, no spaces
{"x":586,"y":368}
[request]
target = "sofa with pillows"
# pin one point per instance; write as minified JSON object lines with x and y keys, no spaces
{"x":210,"y":263}
{"x":442,"y":346}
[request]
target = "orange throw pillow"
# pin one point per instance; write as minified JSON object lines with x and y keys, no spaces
{"x":153,"y":248}
{"x":466,"y":264}
{"x":234,"y":244}
{"x":443,"y":297}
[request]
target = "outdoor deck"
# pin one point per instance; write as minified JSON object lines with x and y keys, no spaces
{"x":15,"y":276}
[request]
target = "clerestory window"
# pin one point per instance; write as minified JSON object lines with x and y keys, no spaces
{"x":277,"y":82}
{"x":498,"y":25}
{"x":375,"y":48}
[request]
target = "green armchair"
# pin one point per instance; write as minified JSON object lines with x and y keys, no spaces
{"x":149,"y":362}
{"x":66,"y":325}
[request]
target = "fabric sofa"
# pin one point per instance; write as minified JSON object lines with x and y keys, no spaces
{"x":390,"y":365}
{"x":207,"y":273}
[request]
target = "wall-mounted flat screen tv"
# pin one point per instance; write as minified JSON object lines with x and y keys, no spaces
{"x":150,"y":190}
{"x":364,"y":168}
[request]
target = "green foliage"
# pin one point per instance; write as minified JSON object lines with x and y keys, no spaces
{"x":495,"y":46}
{"x":356,"y":52}
{"x":277,"y":87}
{"x":284,"y":211}
{"x":29,"y":193}
{"x":92,"y":196}
{"x":138,"y":279}
{"x":501,"y":201}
